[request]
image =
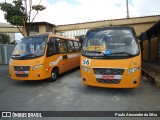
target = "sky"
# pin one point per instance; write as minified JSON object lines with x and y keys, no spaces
{"x":60,"y":12}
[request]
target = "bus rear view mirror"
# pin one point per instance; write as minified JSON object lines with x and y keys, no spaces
{"x":81,"y":39}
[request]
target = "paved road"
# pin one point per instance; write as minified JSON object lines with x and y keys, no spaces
{"x":69,"y":94}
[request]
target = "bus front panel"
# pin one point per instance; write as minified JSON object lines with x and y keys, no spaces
{"x":111,"y":57}
{"x":33,"y":69}
{"x":124,"y":73}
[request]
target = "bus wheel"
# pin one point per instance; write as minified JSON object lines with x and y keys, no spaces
{"x":54,"y":75}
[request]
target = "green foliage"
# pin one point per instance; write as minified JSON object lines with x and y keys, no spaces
{"x":14,"y":14}
{"x":4,"y":38}
{"x":38,"y":7}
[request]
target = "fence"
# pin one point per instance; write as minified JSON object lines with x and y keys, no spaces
{"x":5,"y":53}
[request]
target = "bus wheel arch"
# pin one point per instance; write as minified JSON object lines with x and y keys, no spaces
{"x":54,"y":74}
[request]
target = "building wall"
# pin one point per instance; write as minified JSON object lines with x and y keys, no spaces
{"x":145,"y":50}
{"x":154,"y":49}
{"x":41,"y":29}
{"x":139,"y":28}
{"x":12,"y":35}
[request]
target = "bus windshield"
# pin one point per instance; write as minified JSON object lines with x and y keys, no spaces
{"x":106,"y":42}
{"x":30,"y":47}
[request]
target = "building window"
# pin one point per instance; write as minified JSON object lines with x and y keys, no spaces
{"x":34,"y":29}
{"x":49,"y":29}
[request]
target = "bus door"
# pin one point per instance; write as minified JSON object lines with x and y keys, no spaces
{"x":73,"y":55}
{"x":63,"y":55}
{"x":52,"y":57}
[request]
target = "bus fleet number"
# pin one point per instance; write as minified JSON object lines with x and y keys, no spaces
{"x":86,"y":62}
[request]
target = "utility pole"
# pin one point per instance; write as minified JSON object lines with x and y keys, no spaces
{"x":127,"y":9}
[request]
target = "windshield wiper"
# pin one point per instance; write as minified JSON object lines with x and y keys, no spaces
{"x":95,"y":53}
{"x":24,"y":55}
{"x":98,"y":52}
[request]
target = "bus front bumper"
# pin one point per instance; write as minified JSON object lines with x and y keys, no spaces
{"x":26,"y":73}
{"x":127,"y":80}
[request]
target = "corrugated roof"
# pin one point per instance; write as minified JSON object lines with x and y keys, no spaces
{"x":110,"y":20}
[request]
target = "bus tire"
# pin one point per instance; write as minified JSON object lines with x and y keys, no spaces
{"x":54,"y":75}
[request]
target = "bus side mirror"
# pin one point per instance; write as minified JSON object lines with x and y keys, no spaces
{"x":81,"y":39}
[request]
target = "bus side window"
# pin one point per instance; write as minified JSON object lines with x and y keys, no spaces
{"x":77,"y":46}
{"x":70,"y":46}
{"x":62,"y":45}
{"x":52,"y":47}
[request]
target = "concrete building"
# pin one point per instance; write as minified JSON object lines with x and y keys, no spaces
{"x":40,"y":28}
{"x":12,"y":35}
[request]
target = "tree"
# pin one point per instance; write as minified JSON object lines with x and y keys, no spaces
{"x":4,"y":38}
{"x":19,"y":13}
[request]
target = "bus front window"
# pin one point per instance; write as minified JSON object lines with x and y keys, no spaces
{"x":110,"y":43}
{"x":29,"y":48}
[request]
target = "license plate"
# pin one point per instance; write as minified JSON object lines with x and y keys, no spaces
{"x":20,"y":72}
{"x":107,"y":77}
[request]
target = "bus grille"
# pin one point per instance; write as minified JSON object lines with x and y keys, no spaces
{"x":21,"y":71}
{"x":115,"y":81}
{"x":22,"y":75}
{"x":108,"y":71}
{"x":21,"y":68}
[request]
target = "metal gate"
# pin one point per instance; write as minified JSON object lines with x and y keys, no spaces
{"x":5,"y":53}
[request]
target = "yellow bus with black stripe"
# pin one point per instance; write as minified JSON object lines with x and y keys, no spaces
{"x":44,"y":56}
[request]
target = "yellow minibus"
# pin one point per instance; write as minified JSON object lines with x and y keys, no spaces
{"x":44,"y":56}
{"x":111,"y":57}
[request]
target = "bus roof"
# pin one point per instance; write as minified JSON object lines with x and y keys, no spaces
{"x":63,"y":37}
{"x":51,"y":35}
{"x":113,"y":28}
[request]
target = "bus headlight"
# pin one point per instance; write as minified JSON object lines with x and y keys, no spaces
{"x":10,"y":62}
{"x":37,"y":66}
{"x":10,"y":67}
{"x":131,"y":70}
{"x":85,"y":69}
